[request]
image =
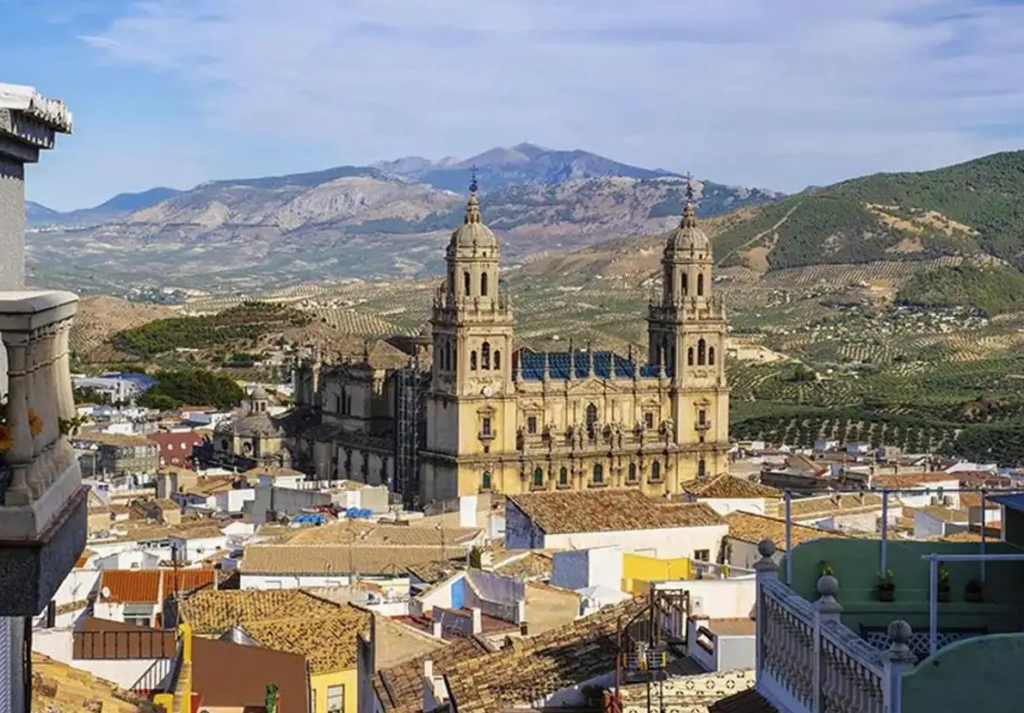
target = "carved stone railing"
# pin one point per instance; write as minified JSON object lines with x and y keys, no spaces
{"x":41,"y":473}
{"x":786,"y":627}
{"x":852,"y":672}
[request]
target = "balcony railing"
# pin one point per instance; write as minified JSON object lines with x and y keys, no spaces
{"x":40,"y":471}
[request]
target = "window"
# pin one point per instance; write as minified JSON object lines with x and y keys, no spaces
{"x":485,"y":356}
{"x":598,"y":473}
{"x":711,"y":356}
{"x":701,"y":468}
{"x":649,"y":420}
{"x":531,"y":424}
{"x":138,"y":614}
{"x":700,"y":284}
{"x":483,"y":284}
{"x":702,"y":555}
{"x":448,"y":356}
{"x":563,"y":476}
{"x":702,"y":417}
{"x":485,"y":480}
{"x":343,"y":402}
{"x":685,"y":286}
{"x":335,"y":699}
{"x":472,"y":361}
{"x":701,"y":349}
{"x":689,"y":356}
{"x":591,"y":416}
{"x":632,"y":472}
{"x":485,"y":426}
{"x":656,"y":470}
{"x":538,"y":476}
{"x":466,"y":283}
{"x":497,"y":359}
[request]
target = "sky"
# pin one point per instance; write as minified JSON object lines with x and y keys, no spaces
{"x":770,"y":93}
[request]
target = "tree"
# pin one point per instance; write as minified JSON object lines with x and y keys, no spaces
{"x":192,"y":386}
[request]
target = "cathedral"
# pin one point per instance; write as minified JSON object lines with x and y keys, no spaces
{"x":471,"y":410}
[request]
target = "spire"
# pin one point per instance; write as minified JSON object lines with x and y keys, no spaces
{"x":689,"y":211}
{"x":473,"y":208}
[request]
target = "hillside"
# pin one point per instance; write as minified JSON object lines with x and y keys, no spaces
{"x":100,"y":317}
{"x":366,"y":222}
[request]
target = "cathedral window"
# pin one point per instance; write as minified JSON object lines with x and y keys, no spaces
{"x":538,"y":477}
{"x":466,"y":283}
{"x":656,"y":470}
{"x":472,"y":360}
{"x":337,"y":404}
{"x":485,"y":480}
{"x":343,"y":402}
{"x":591,"y":417}
{"x":711,"y":356}
{"x":702,"y":417}
{"x":485,"y":426}
{"x":701,"y":352}
{"x":483,"y":285}
{"x":531,"y":424}
{"x":497,"y":358}
{"x":447,"y":356}
{"x":563,"y":476}
{"x":598,"y":473}
{"x":701,"y":468}
{"x":649,"y":420}
{"x":700,"y":284}
{"x":632,"y":473}
{"x":685,"y":285}
{"x":689,"y":356}
{"x":485,"y":356}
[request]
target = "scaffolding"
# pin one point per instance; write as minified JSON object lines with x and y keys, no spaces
{"x":411,"y":389}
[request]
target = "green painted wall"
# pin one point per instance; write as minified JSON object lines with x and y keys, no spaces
{"x":980,"y":675}
{"x":855,"y":564}
{"x":1013,"y":526}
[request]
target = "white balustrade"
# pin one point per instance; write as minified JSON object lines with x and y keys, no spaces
{"x":852,"y":672}
{"x":35,"y":327}
{"x":787,"y":644}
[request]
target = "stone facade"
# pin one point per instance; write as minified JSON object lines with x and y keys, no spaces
{"x":501,"y":418}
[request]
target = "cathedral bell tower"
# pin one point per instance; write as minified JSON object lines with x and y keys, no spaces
{"x":472,"y":394}
{"x":686,"y":335}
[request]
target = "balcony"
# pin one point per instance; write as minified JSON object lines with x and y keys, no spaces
{"x":827,"y":643}
{"x":42,"y":500}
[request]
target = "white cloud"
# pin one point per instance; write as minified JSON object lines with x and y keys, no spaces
{"x":781,"y":93}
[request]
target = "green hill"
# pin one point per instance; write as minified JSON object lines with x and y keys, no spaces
{"x":963,"y":210}
{"x":992,"y":289}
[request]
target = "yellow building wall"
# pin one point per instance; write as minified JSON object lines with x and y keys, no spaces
{"x":319,"y":683}
{"x":639,"y":571}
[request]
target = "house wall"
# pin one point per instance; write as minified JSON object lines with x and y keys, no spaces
{"x":441,"y":595}
{"x":927,"y":526}
{"x":724,"y":506}
{"x":521,"y":533}
{"x":735,"y":653}
{"x":319,"y":684}
{"x":135,"y":559}
{"x":494,"y":594}
{"x":718,"y":598}
{"x":58,"y":644}
{"x":639,"y":571}
{"x":234,"y":500}
{"x":77,"y":586}
{"x":571,"y":570}
{"x":284,"y":500}
{"x":291,"y":581}
{"x":662,"y":543}
{"x":548,"y":609}
{"x":745,"y":554}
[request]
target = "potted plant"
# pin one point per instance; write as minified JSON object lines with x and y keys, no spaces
{"x":825,"y":569}
{"x":974,"y":592}
{"x":943,"y":583}
{"x":886,"y":587}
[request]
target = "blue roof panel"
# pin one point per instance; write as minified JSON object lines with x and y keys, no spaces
{"x":607,"y":365}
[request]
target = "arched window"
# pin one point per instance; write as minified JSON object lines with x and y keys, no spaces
{"x":472,"y":360}
{"x":711,"y":356}
{"x":497,"y":358}
{"x":563,"y":476}
{"x":700,"y":284}
{"x":538,"y":477}
{"x":632,"y":472}
{"x":701,"y":468}
{"x":485,"y":480}
{"x":591,"y":415}
{"x":485,"y":356}
{"x":656,"y":470}
{"x":483,"y":284}
{"x":337,"y":404}
{"x":598,"y":473}
{"x":701,"y":352}
{"x":689,"y":356}
{"x":448,"y":356}
{"x":685,"y":284}
{"x":343,"y":401}
{"x":466,"y":283}
{"x":454,"y":360}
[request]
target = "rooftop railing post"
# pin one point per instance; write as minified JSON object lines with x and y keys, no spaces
{"x":983,"y":503}
{"x":883,"y":563}
{"x":826,"y":608}
{"x":765,"y":569}
{"x":789,"y":537}
{"x":933,"y":603}
{"x":899,"y":659}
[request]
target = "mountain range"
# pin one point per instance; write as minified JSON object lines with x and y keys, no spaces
{"x":390,"y":219}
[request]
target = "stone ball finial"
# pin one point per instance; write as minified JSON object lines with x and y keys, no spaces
{"x":828,"y":586}
{"x":766,"y":548}
{"x":899,"y":632}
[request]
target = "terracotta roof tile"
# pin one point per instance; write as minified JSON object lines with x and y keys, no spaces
{"x":215,"y":611}
{"x":345,"y":532}
{"x":530,"y":565}
{"x":340,"y":559}
{"x":728,"y":486}
{"x":432,"y":572}
{"x":825,"y":505}
{"x":59,"y":688}
{"x":397,"y":643}
{"x":610,"y":509}
{"x":400,"y":688}
{"x":943,"y":513}
{"x":912,"y":480}
{"x":752,"y":528}
{"x":142,"y":586}
{"x":328,"y":642}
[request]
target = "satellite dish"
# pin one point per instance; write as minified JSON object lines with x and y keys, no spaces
{"x":105,"y":592}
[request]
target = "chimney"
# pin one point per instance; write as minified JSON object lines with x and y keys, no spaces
{"x":428,"y":686}
{"x":521,"y":611}
{"x":437,"y":631}
{"x":478,"y":625}
{"x":428,"y":670}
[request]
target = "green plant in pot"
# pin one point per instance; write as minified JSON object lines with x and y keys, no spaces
{"x":942,"y":590}
{"x":974,"y":591}
{"x":886,"y":587}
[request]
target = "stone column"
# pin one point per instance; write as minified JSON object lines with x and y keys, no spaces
{"x":899,"y":659}
{"x":765,"y":569}
{"x":826,"y":608}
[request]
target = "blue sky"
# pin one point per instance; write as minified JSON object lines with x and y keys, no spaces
{"x":774,"y":93}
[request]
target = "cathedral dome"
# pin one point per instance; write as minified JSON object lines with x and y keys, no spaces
{"x":473,"y":233}
{"x":688,"y":236}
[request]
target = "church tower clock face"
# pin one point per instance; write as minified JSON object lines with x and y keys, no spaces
{"x":487,"y":391}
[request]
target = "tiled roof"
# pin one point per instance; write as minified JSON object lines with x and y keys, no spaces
{"x":607,"y":365}
{"x":211,"y":485}
{"x":612,"y":509}
{"x":945,"y":514}
{"x":59,"y":688}
{"x":215,"y":611}
{"x":431,"y":572}
{"x":729,"y":486}
{"x":532,"y":564}
{"x":400,"y":688}
{"x":345,"y":532}
{"x":145,"y":532}
{"x":752,"y":528}
{"x":270,"y":472}
{"x":113,"y":439}
{"x":397,"y":643}
{"x":327,"y":642}
{"x":560,"y":658}
{"x":911,"y":480}
{"x":973,"y":500}
{"x":341,"y":559}
{"x":830,"y":504}
{"x":142,"y":586}
{"x":166,"y":504}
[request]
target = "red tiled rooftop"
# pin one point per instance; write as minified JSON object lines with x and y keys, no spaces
{"x":142,"y":586}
